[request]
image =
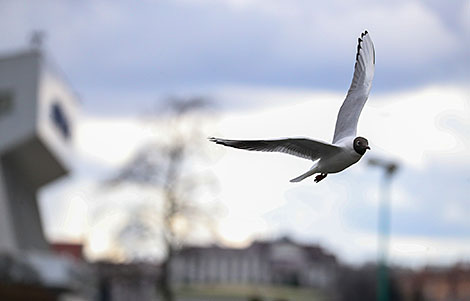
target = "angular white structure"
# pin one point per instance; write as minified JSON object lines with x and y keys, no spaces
{"x":36,"y":128}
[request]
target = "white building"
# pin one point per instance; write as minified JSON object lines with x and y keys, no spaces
{"x":275,"y":262}
{"x":37,"y":109}
{"x":36,"y":128}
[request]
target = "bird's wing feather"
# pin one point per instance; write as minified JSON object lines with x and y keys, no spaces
{"x":346,"y":123}
{"x":300,"y":147}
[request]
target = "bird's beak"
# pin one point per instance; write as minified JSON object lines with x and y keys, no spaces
{"x":368,"y":147}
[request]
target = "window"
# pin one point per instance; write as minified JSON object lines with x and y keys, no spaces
{"x":6,"y":102}
{"x":60,"y":120}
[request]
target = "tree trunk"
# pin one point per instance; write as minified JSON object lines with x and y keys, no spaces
{"x":164,"y":283}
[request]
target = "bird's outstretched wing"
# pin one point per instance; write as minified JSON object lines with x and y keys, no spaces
{"x":346,"y":124}
{"x":300,"y":147}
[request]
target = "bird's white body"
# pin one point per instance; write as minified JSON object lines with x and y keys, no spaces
{"x":345,"y":149}
{"x":334,"y":163}
{"x":340,"y":161}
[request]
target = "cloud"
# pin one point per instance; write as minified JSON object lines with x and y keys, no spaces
{"x":429,"y":192}
{"x":420,"y":251}
{"x":167,"y":47}
{"x":108,"y":142}
{"x":423,"y":123}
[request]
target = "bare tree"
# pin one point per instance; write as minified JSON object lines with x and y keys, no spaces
{"x":162,"y":166}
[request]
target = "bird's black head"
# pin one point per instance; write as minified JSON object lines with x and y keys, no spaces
{"x":361,"y":145}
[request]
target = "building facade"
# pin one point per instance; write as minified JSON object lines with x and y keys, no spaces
{"x":437,"y":283}
{"x":37,"y":110}
{"x":281,"y":262}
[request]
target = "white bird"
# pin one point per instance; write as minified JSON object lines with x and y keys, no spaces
{"x":346,"y":149}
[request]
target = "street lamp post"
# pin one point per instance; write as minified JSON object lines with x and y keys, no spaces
{"x":384,"y":226}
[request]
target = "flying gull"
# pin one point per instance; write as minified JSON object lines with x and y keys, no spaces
{"x":346,"y":148}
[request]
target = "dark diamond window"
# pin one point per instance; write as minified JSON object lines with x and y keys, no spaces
{"x":60,"y":120}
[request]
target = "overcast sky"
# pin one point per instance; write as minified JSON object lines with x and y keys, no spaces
{"x":115,"y":50}
{"x":289,"y":65}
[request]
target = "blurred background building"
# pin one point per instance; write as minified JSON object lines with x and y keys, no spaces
{"x":279,"y":262}
{"x":37,"y":108}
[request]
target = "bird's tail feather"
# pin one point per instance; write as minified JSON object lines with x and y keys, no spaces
{"x":303,"y":176}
